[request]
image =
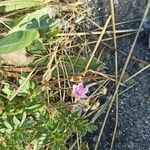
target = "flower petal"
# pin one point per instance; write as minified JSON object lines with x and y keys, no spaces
{"x":85,"y":90}
{"x":80,"y":86}
{"x":79,"y":90}
{"x":74,"y":90}
{"x":83,"y":96}
{"x":74,"y":86}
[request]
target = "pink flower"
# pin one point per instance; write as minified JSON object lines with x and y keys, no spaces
{"x":79,"y":90}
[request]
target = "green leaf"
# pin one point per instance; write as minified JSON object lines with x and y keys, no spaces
{"x":8,"y":126}
{"x":52,"y":33}
{"x":16,"y":122}
{"x":23,"y":118}
{"x":36,"y":20}
{"x":42,"y":23}
{"x":7,"y":90}
{"x":26,"y":87}
{"x":74,"y":64}
{"x":17,"y":41}
{"x":34,"y":107}
{"x":38,"y":143}
{"x":11,"y":5}
{"x":37,"y":48}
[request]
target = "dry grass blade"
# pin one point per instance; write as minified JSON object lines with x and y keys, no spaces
{"x":20,"y":69}
{"x":97,"y":32}
{"x":116,"y":69}
{"x":104,"y":75}
{"x":5,"y":24}
{"x":21,"y":86}
{"x":98,"y":42}
{"x":146,"y":67}
{"x":47,"y":75}
{"x":125,"y":22}
{"x":123,"y":53}
{"x":94,"y":23}
{"x":106,"y":39}
{"x":122,"y":92}
{"x":123,"y":71}
{"x":101,"y":110}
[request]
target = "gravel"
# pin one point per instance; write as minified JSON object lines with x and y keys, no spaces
{"x":134,"y":105}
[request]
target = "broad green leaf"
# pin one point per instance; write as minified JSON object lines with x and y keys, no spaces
{"x":33,"y":107}
{"x":8,"y":126}
{"x":37,"y":48}
{"x":52,"y":33}
{"x":42,"y":23}
{"x":16,"y":122}
{"x":74,"y":64}
{"x":36,"y":20}
{"x":23,"y":118}
{"x":11,"y":5}
{"x":17,"y":41}
{"x":26,"y":87}
{"x":3,"y":130}
{"x":7,"y":90}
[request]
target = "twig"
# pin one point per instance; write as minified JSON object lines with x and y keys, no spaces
{"x":103,"y":75}
{"x":106,"y":39}
{"x":20,"y":69}
{"x":98,"y":32}
{"x":98,"y":42}
{"x":21,"y":86}
{"x":116,"y":69}
{"x":146,"y":67}
{"x":125,"y":22}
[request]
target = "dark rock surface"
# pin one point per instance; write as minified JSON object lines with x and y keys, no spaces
{"x":134,"y":105}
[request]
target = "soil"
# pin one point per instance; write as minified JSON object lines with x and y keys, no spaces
{"x":134,"y":105}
